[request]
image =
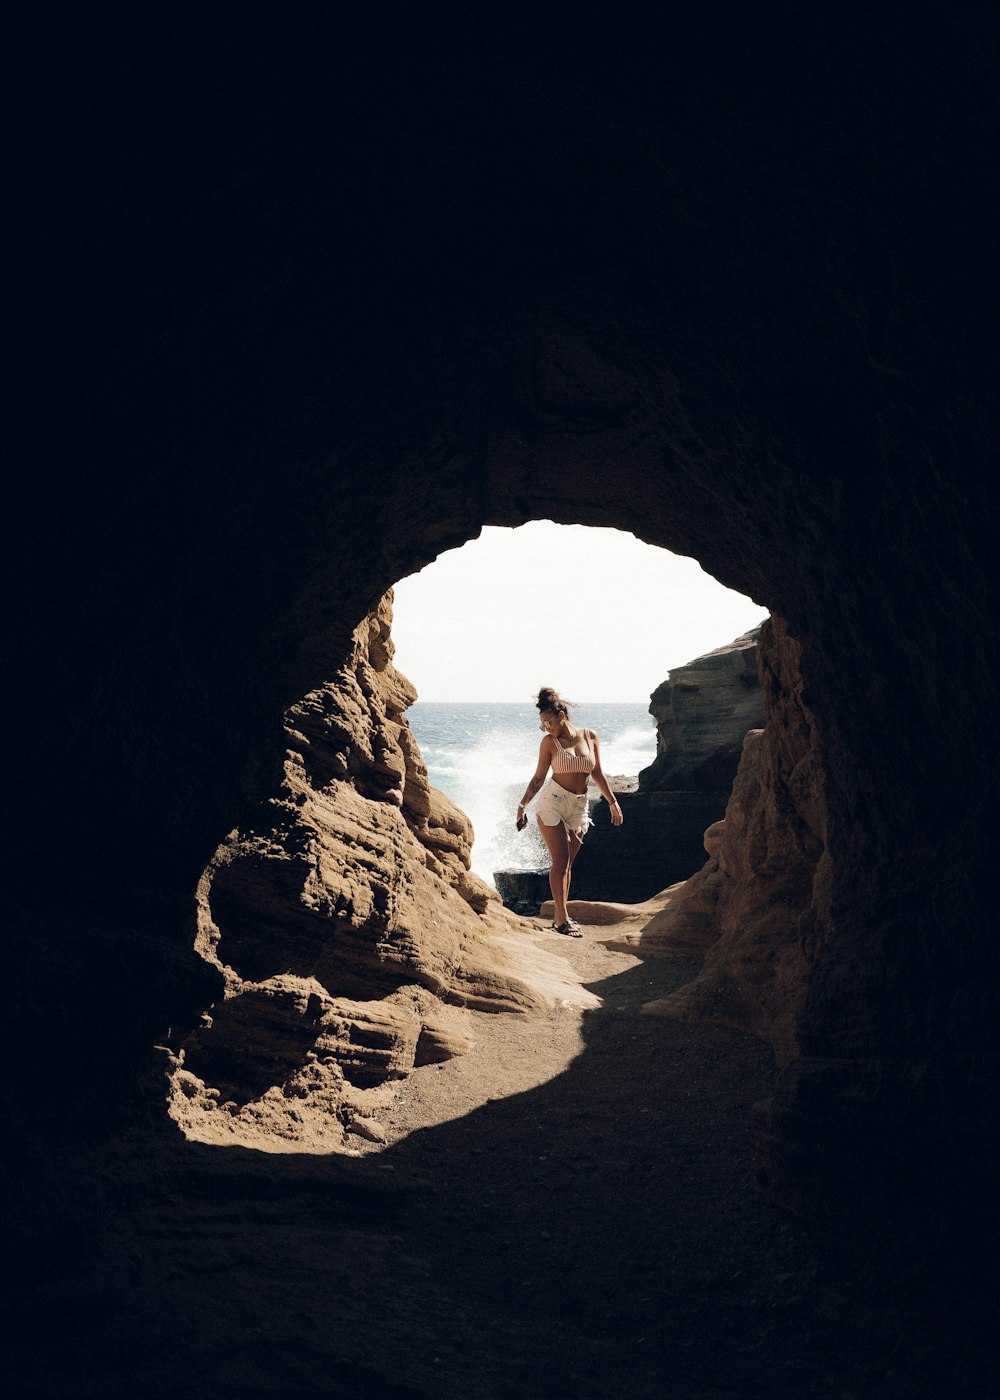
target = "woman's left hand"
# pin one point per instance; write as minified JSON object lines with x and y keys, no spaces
{"x":616,"y":814}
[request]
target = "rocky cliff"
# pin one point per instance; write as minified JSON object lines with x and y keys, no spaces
{"x":759,"y":906}
{"x":346,"y":925}
{"x":702,"y":712}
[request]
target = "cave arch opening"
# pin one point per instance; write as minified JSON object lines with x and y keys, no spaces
{"x":334,"y":986}
{"x":573,"y":409}
{"x":781,"y":537}
{"x":605,"y":615}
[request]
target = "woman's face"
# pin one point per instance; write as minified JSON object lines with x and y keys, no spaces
{"x":550,"y":721}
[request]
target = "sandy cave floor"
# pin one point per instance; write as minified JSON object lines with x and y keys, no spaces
{"x":567,"y":1210}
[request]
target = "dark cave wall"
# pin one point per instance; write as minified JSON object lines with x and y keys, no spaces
{"x":734,"y":295}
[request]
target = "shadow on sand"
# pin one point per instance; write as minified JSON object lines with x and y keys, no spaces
{"x":599,"y":1235}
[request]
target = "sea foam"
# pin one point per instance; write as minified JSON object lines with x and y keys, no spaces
{"x":482,"y":756}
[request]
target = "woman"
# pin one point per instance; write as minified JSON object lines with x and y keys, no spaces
{"x":574,"y":755}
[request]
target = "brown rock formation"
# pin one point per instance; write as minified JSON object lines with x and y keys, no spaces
{"x":702,"y":712}
{"x":346,"y":924}
{"x":760,"y":905}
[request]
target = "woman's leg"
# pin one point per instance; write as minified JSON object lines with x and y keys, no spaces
{"x":575,"y":842}
{"x":558,"y":843}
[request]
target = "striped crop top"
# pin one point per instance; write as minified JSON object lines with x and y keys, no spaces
{"x":565,"y":762}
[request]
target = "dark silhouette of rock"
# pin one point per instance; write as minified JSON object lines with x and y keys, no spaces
{"x":523,"y":890}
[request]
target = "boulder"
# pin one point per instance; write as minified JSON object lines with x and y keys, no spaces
{"x":522,"y":890}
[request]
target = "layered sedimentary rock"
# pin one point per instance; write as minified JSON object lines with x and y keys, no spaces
{"x":702,"y":712}
{"x":346,"y":923}
{"x":760,"y":905}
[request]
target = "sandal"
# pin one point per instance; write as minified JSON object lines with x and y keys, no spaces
{"x":569,"y":928}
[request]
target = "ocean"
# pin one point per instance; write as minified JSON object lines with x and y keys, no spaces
{"x":481,"y":755}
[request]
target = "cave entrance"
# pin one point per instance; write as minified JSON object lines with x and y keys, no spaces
{"x":595,"y":611}
{"x":351,"y":933}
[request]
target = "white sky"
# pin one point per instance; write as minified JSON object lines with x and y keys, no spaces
{"x":595,"y":613}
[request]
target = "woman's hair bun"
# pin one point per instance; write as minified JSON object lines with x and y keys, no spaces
{"x":549,"y":699}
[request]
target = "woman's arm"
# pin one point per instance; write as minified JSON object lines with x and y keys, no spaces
{"x":544,"y":759}
{"x":602,"y":783}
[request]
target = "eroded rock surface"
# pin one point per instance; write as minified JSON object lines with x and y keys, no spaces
{"x":702,"y":711}
{"x":350,"y":933}
{"x":760,"y":902}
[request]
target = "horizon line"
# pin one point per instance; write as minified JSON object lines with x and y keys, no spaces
{"x":573,"y":704}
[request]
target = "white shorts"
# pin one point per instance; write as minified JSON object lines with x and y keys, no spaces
{"x":557,"y":805}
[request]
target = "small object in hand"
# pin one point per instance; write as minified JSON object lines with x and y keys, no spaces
{"x":522,"y":821}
